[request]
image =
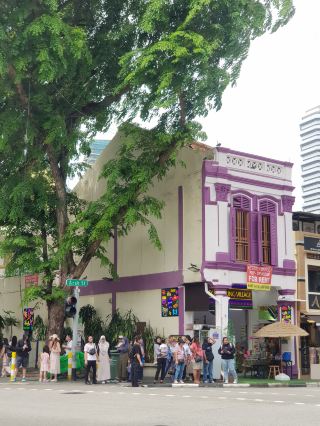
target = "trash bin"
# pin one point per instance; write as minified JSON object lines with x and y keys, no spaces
{"x":114,"y":364}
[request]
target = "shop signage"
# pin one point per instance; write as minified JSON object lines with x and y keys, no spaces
{"x":170,"y":302}
{"x":286,"y":313}
{"x":240,"y":298}
{"x":312,"y":244}
{"x":28,"y":319}
{"x":313,"y":256}
{"x":259,"y":277}
{"x":31,"y":280}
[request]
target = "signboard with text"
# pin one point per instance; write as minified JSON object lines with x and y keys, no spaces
{"x":259,"y":277}
{"x":240,"y":298}
{"x":312,"y":244}
{"x":170,"y":302}
{"x":31,"y":280}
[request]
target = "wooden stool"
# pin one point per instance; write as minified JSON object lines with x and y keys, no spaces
{"x":274,"y":370}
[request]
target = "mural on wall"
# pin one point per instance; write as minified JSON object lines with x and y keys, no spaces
{"x":170,"y":302}
{"x":28,"y":318}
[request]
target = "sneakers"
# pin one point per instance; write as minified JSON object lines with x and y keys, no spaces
{"x":175,"y":382}
{"x":235,"y":382}
{"x":24,"y":379}
{"x":226,"y":382}
{"x":181,"y":382}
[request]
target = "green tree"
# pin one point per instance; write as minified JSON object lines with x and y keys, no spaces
{"x":69,"y":68}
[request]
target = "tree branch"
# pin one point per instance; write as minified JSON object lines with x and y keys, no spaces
{"x":18,"y":85}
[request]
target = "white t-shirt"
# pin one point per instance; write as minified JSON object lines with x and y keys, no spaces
{"x":68,"y":347}
{"x":163,"y":349}
{"x":87,"y":348}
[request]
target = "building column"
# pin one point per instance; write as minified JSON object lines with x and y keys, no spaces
{"x":221,"y":308}
{"x":287,"y":312}
{"x":222,"y":199}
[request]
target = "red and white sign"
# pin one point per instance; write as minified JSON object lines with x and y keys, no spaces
{"x":259,"y":277}
{"x":31,"y":280}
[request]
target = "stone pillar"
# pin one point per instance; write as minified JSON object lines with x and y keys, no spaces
{"x":221,"y":308}
{"x":286,"y":303}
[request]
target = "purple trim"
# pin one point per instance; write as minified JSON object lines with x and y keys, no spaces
{"x":232,"y":236}
{"x":287,"y":203}
{"x":134,"y":283}
{"x":253,"y":197}
{"x":222,"y":172}
{"x":207,"y":197}
{"x":114,"y":301}
{"x":242,"y":267}
{"x":274,"y":239}
{"x":203,"y":242}
{"x":180,"y":228}
{"x":256,"y":157}
{"x":115,"y":250}
{"x":292,"y":304}
{"x":254,"y":237}
{"x":286,"y":292}
{"x":222,"y":191}
{"x":289,"y":264}
{"x":222,"y":257}
{"x":181,"y":310}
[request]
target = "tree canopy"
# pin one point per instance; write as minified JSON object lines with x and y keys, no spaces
{"x":70,"y":68}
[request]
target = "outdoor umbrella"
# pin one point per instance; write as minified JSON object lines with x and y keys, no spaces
{"x":279,"y":330}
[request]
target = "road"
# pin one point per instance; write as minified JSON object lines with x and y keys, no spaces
{"x":51,"y":404}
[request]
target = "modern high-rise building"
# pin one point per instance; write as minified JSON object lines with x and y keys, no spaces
{"x":310,"y":155}
{"x":97,"y":146}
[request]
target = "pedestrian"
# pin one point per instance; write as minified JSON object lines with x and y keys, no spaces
{"x":136,"y":361}
{"x":208,"y":358}
{"x":187,"y":342}
{"x":227,"y":351}
{"x":123,"y":349}
{"x":90,"y":360}
{"x":103,"y":353}
{"x":143,"y":359}
{"x":197,"y":359}
{"x":44,"y":364}
{"x":67,"y":347}
{"x":162,"y":354}
{"x":55,"y":351}
{"x":4,"y":348}
{"x":23,"y":348}
{"x":180,"y":359}
{"x":170,"y":365}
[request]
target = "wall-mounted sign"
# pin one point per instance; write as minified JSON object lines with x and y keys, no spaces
{"x":286,"y":313}
{"x":30,"y":280}
{"x":240,"y":298}
{"x":312,"y":244}
{"x":259,"y":277}
{"x":313,"y":256}
{"x":28,"y":318}
{"x":170,"y":302}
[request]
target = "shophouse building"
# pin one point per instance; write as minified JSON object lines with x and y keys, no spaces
{"x":306,"y":228}
{"x":227,"y":217}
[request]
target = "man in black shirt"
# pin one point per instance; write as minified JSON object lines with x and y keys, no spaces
{"x":135,"y":360}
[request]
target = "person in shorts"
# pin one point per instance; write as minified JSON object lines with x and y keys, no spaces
{"x":23,"y":349}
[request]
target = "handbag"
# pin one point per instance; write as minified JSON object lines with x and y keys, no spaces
{"x":198,"y":358}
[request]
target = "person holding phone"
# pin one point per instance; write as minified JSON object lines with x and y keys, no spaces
{"x":227,"y":351}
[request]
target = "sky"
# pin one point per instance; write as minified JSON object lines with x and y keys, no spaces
{"x":277,"y":84}
{"x":279,"y":81}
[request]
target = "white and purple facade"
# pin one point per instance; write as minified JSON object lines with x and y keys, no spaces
{"x":260,"y":186}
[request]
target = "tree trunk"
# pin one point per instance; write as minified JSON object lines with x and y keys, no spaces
{"x":55,"y":317}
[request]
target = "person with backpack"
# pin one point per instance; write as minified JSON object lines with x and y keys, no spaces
{"x":90,"y":360}
{"x":135,"y":357}
{"x":208,"y":358}
{"x":227,"y":351}
{"x":162,"y":354}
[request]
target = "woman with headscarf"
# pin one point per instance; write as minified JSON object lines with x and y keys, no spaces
{"x":103,"y":374}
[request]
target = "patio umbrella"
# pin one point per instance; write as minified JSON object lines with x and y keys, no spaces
{"x":279,"y":330}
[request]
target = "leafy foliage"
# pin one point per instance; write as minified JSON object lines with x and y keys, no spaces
{"x":69,"y":68}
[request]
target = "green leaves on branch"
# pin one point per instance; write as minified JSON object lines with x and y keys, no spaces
{"x":39,"y":293}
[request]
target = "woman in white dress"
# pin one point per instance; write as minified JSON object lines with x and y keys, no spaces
{"x":55,"y":350}
{"x":103,"y":373}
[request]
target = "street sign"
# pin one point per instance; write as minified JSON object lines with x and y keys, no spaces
{"x":77,"y":283}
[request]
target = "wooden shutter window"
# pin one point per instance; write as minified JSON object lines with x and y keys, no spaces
{"x":242,"y":236}
{"x":266,"y":239}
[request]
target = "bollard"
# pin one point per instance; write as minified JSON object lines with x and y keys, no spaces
{"x":13,"y":367}
{"x":70,"y":365}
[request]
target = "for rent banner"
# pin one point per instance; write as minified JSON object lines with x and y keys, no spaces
{"x":259,"y":277}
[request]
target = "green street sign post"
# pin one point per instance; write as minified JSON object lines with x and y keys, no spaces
{"x":77,"y":283}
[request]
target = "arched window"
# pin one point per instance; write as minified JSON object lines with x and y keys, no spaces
{"x":241,"y":225}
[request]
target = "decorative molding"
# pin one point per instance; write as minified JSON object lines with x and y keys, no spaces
{"x":242,"y":267}
{"x":207,"y":197}
{"x":287,"y":203}
{"x":222,"y":191}
{"x":286,"y":292}
{"x":222,"y":257}
{"x":256,"y":157}
{"x":289,"y":264}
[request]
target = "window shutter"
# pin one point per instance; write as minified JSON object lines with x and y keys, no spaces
{"x":254,"y":237}
{"x":274,"y":239}
{"x":259,"y":238}
{"x":233,"y":234}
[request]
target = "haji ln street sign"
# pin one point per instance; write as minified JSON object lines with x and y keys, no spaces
{"x":77,"y":283}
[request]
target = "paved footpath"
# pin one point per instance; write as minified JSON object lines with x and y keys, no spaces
{"x":50,"y":403}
